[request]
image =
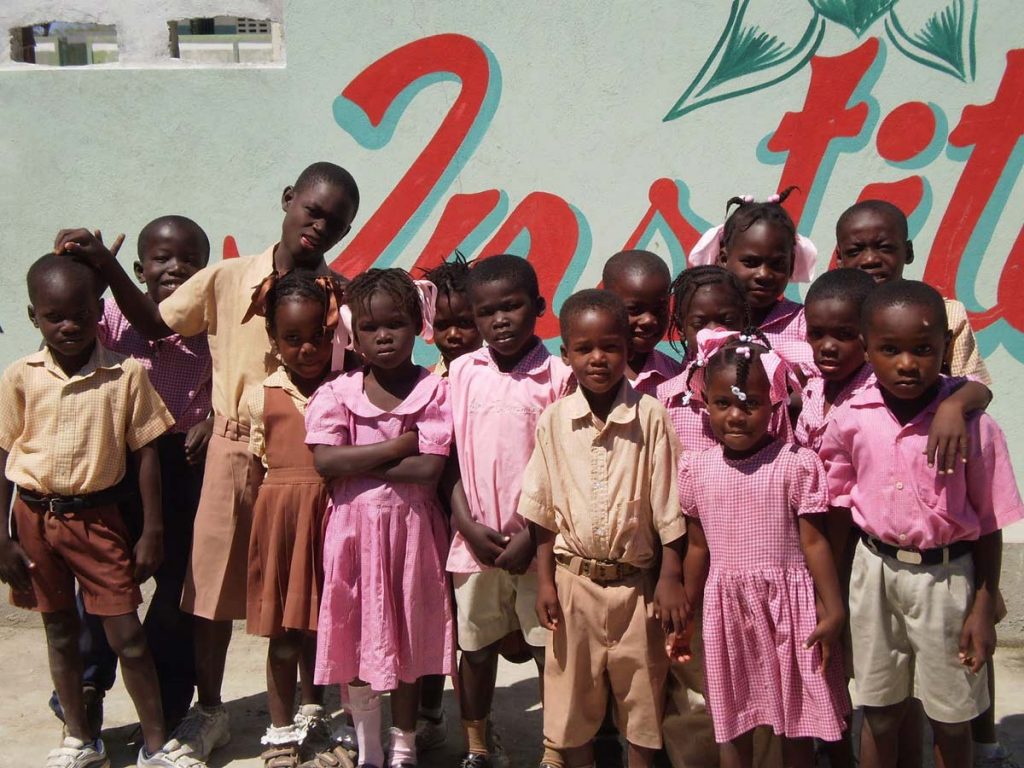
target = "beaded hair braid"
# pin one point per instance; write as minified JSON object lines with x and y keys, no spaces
{"x":396,"y":283}
{"x":685,"y":286}
{"x":728,"y":355}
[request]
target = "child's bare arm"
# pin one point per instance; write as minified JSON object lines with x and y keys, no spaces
{"x":548,"y":611}
{"x":838,"y":525}
{"x":484,"y":542}
{"x":818,"y":554}
{"x":139,"y":309}
{"x":947,"y":435}
{"x":669,"y":596}
{"x":149,"y":550}
{"x":345,"y":460}
{"x":978,"y":637}
{"x":425,"y":469}
{"x":695,"y":565}
{"x":14,"y":563}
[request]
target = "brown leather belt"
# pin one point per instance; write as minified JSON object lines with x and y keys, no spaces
{"x":598,"y":571}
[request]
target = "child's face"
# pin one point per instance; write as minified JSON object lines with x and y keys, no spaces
{"x":712,"y":306}
{"x":873,"y":241}
{"x":739,"y":425}
{"x":455,"y":331}
{"x":384,"y":333}
{"x":646,"y":298}
{"x":833,"y":331}
{"x":299,"y":336}
{"x":170,"y":256}
{"x":66,"y":313}
{"x":761,"y":256}
{"x":596,"y":349}
{"x":316,"y":217}
{"x":505,"y":315}
{"x":906,"y":347}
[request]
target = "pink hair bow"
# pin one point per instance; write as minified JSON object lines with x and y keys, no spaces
{"x":708,"y":248}
{"x":427,"y":292}
{"x":711,"y":342}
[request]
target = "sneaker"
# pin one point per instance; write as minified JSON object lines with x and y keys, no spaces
{"x":314,"y":728}
{"x":75,"y":753}
{"x":1001,"y":759}
{"x":431,"y":733}
{"x":178,"y":758}
{"x":202,"y":731}
{"x":476,"y":760}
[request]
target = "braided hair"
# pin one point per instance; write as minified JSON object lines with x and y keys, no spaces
{"x":749,"y":212}
{"x":685,"y":286}
{"x":450,"y":277}
{"x":395,"y":283}
{"x":298,"y":284}
{"x":727,"y":356}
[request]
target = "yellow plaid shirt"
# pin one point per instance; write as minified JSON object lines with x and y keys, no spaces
{"x":67,"y":435}
{"x":962,"y":357}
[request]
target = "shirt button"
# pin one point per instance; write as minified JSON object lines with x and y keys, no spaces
{"x":899,"y":486}
{"x":903,"y":537}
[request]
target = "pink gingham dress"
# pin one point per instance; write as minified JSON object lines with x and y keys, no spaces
{"x":785,"y":327}
{"x":385,"y":614}
{"x":759,"y":597}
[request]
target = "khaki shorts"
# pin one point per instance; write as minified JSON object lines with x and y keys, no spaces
{"x":905,"y":623}
{"x":607,"y":643}
{"x":493,"y":603}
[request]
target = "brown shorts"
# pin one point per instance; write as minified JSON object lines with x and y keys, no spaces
{"x":608,"y":643}
{"x":215,"y":583}
{"x":90,"y":545}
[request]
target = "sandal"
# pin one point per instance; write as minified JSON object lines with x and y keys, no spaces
{"x":281,"y":756}
{"x":338,"y":757}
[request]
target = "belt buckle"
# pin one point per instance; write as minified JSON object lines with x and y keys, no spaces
{"x":909,"y":556}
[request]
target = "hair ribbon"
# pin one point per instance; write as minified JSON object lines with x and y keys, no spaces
{"x":258,"y":302}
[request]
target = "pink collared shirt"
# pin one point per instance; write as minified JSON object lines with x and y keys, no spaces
{"x":785,"y":327}
{"x":496,"y":415}
{"x":810,"y":427}
{"x":878,"y":469}
{"x":179,"y":367}
{"x":658,"y":369}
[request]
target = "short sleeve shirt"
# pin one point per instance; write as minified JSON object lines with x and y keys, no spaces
{"x":68,"y":435}
{"x":963,"y":356}
{"x":658,"y":369}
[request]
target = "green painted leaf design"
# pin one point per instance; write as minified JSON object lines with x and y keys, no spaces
{"x":745,"y":59}
{"x":855,"y":15}
{"x":944,"y":42}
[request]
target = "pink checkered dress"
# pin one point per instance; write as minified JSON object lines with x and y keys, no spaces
{"x":786,"y":330}
{"x":658,"y":369}
{"x":759,"y":597}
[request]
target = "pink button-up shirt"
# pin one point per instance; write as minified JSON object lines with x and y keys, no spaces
{"x":810,"y":427}
{"x":658,"y":368}
{"x":786,"y":330}
{"x":496,"y":415}
{"x":877,"y":467}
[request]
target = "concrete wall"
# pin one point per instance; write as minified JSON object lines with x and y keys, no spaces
{"x":562,"y":130}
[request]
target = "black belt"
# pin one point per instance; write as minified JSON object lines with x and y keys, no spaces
{"x":936,"y":556}
{"x":60,"y":505}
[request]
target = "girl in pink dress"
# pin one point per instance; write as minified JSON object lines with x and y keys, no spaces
{"x":758,"y":558}
{"x":382,"y":434}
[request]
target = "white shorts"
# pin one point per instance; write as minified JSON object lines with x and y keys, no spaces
{"x":905,"y":623}
{"x":493,"y":603}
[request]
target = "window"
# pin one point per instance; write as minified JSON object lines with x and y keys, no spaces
{"x":64,"y":44}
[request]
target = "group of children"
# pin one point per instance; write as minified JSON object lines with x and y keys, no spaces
{"x":811,"y":492}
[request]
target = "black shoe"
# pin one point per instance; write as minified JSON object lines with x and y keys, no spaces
{"x":475,"y":760}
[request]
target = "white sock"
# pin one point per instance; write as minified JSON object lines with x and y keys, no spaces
{"x":403,"y":746}
{"x":365,"y":707}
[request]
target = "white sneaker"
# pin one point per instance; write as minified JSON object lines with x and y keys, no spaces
{"x":431,"y":734}
{"x":75,"y":753}
{"x":200,"y":732}
{"x":176,"y":758}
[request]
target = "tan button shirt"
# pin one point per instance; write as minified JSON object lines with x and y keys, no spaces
{"x":214,"y":300}
{"x":964,"y":358}
{"x":67,"y":435}
{"x":609,"y":490}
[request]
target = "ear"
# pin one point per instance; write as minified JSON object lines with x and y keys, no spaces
{"x":286,"y":197}
{"x":137,"y":268}
{"x":864,"y":344}
{"x":101,"y":305}
{"x":565,"y":355}
{"x":32,"y":315}
{"x":541,"y":305}
{"x":910,"y":252}
{"x":835,"y":255}
{"x":723,"y":256}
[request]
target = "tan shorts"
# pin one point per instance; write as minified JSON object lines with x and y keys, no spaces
{"x":608,"y":641}
{"x":215,"y":583}
{"x":492,"y":603}
{"x":91,"y":546}
{"x":905,"y":623}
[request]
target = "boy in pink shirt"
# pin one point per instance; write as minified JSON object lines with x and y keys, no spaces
{"x":498,"y":394}
{"x":926,"y":571}
{"x":642,"y":280}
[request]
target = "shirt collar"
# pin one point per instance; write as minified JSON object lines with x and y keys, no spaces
{"x":535,"y":361}
{"x":623,"y":410}
{"x":783,"y":310}
{"x":280,"y":379}
{"x":672,"y":388}
{"x":871,"y":397}
{"x":659,"y":365}
{"x":101,"y":357}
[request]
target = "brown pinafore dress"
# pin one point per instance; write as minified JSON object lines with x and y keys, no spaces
{"x":286,"y":546}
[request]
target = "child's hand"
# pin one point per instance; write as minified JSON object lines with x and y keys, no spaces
{"x":149,"y":553}
{"x":679,"y":645}
{"x":196,"y":441}
{"x":87,"y":246}
{"x":518,"y":553}
{"x":548,"y":610}
{"x":670,"y":606}
{"x":826,"y":636}
{"x":947,"y":437}
{"x":485,"y":543}
{"x":15,"y":565}
{"x":977,"y":640}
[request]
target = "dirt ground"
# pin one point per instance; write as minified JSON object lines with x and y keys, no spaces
{"x":29,"y":730}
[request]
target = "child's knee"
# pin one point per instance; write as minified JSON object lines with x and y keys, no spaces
{"x":951,"y":731}
{"x":885,"y":721}
{"x":126,"y":636}
{"x":62,"y":630}
{"x":481,"y":656}
{"x":287,"y":647}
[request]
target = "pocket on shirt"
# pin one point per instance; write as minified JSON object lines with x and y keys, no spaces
{"x":933,"y":494}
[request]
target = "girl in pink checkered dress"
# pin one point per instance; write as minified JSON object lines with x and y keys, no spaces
{"x":759,"y":560}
